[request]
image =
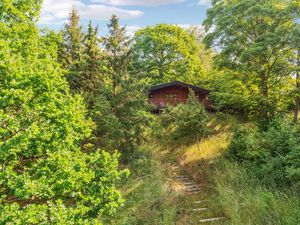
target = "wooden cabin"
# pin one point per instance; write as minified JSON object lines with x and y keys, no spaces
{"x":176,"y":92}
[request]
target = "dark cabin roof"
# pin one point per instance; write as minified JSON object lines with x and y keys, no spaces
{"x":178,"y":84}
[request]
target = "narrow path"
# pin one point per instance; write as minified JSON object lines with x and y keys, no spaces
{"x":198,"y":206}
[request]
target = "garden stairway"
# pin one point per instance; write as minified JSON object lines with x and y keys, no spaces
{"x":200,"y":208}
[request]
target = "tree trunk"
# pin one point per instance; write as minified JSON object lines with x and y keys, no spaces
{"x":265,"y":88}
{"x":161,"y":74}
{"x":297,"y":99}
{"x":264,"y":111}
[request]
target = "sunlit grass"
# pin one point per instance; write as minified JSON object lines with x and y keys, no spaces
{"x":220,"y":122}
{"x":241,"y":199}
{"x":211,"y":147}
{"x":208,"y":149}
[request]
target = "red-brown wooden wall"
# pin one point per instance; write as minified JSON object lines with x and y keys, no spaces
{"x":174,"y":95}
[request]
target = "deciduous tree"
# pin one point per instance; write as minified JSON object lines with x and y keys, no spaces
{"x":252,"y":38}
{"x":296,"y":64}
{"x":45,"y":177}
{"x":164,"y":53}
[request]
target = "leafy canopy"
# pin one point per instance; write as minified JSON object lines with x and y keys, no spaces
{"x":252,"y":38}
{"x":165,"y":53}
{"x":45,"y":178}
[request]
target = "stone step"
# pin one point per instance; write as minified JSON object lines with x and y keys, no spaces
{"x":200,"y":209}
{"x":188,"y":183}
{"x":183,"y":178}
{"x":192,"y":186}
{"x":193,"y":189}
{"x":199,"y":202}
{"x":210,"y":219}
{"x":192,"y":192}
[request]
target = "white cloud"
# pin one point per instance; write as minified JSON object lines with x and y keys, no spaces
{"x":56,"y":12}
{"x":139,"y":2}
{"x":204,"y":2}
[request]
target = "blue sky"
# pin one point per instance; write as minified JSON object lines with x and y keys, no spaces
{"x":134,"y":13}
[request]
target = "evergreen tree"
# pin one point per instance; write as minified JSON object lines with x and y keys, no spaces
{"x":71,"y":50}
{"x":118,"y":53}
{"x":119,"y":111}
{"x":45,"y":178}
{"x":91,"y":78}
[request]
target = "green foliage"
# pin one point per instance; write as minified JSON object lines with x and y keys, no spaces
{"x":71,"y":49}
{"x":116,"y":44}
{"x":186,"y":120}
{"x":230,"y":93}
{"x":121,"y":119}
{"x":81,"y":57}
{"x":165,"y":53}
{"x":45,"y":177}
{"x":120,"y":105}
{"x":91,"y":74}
{"x":253,"y":40}
{"x":296,"y":68}
{"x":190,"y":118}
{"x":272,"y":155}
{"x":115,"y":98}
{"x":148,"y":197}
{"x":245,"y":200}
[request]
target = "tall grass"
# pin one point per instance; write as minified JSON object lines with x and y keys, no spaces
{"x":241,"y":197}
{"x":149,"y":200}
{"x":246,"y":201}
{"x":234,"y":193}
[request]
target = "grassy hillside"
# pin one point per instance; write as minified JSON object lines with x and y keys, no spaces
{"x":149,"y":194}
{"x":242,"y":198}
{"x":153,"y":196}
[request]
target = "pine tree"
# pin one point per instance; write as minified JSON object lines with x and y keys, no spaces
{"x":119,"y":111}
{"x":71,"y":51}
{"x":118,"y":52}
{"x":91,"y":78}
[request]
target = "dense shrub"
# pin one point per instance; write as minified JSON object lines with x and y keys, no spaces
{"x":273,"y":155}
{"x":186,"y":120}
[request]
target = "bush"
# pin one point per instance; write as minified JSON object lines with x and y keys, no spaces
{"x":187,"y":120}
{"x":273,"y":155}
